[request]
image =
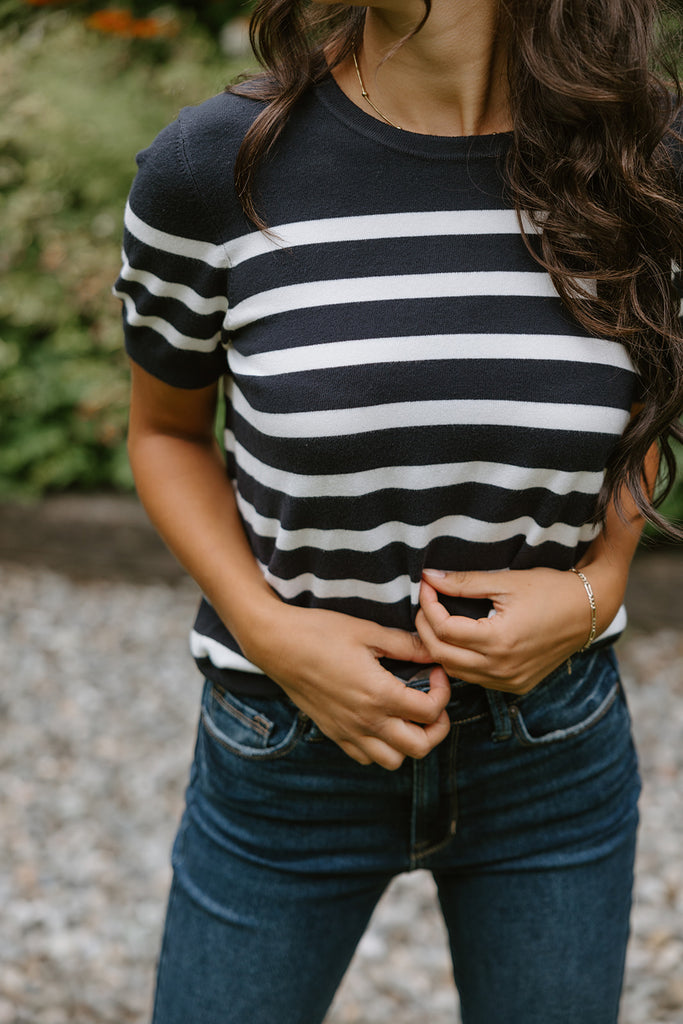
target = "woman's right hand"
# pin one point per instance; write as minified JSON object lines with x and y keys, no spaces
{"x":328,"y":664}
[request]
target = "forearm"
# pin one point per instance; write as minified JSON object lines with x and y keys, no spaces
{"x":185,"y":491}
{"x":608,"y":560}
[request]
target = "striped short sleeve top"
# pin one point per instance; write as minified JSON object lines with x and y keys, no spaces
{"x":404,"y":387}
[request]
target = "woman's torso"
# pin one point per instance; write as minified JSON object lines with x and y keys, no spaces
{"x":404,"y":387}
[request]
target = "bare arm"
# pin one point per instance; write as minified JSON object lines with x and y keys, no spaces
{"x":542,"y":615}
{"x":327,"y":662}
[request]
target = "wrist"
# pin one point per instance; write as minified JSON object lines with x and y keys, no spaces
{"x":592,"y":606}
{"x":607,"y":585}
{"x":264,"y":629}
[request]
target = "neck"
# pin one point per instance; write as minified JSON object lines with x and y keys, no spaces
{"x":449,"y":79}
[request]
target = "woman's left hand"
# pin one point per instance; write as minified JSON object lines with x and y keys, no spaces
{"x":542,"y":617}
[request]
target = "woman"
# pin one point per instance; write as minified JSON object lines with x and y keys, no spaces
{"x":430,"y":249}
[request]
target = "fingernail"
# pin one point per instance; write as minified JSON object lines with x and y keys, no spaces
{"x":436,"y":573}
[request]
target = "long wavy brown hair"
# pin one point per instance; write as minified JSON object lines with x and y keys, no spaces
{"x":595,"y":162}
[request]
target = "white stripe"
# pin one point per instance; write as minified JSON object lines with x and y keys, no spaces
{"x":363,"y":352}
{"x":410,"y":478}
{"x":417,"y":537}
{"x":617,"y":625}
{"x":218,"y":654}
{"x":383,"y":593}
{"x":345,"y":422}
{"x":389,"y":287}
{"x":175,"y":290}
{"x":166,"y":330}
{"x":374,"y":226}
{"x":176,"y":245}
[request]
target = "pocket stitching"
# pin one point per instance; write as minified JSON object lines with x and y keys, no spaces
{"x":559,"y":735}
{"x":255,"y":753}
{"x":259,"y":723}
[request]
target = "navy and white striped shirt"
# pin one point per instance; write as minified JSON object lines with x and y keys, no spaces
{"x":404,"y":386}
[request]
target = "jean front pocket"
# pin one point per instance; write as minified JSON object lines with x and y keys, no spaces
{"x":569,"y":702}
{"x":258,"y":728}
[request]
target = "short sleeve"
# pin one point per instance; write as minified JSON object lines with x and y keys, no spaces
{"x":173,"y":281}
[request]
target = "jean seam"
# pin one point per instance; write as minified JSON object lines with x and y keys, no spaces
{"x":466,"y":721}
{"x":423,"y":850}
{"x":164,"y":944}
{"x":417,"y":798}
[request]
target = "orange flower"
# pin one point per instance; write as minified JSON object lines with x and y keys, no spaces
{"x":149,"y":28}
{"x":116,"y":22}
{"x":120,"y":22}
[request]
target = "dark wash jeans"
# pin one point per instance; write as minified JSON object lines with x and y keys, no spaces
{"x":526,"y":815}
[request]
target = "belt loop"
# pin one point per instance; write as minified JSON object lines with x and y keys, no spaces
{"x":502,"y":726}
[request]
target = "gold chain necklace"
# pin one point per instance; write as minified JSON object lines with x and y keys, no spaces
{"x":364,"y":94}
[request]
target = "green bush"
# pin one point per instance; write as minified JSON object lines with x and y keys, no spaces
{"x":76,"y":107}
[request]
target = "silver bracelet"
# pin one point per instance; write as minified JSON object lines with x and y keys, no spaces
{"x":594,"y":611}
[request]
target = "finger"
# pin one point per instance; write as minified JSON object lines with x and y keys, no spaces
{"x":463,"y":662}
{"x":421,"y":739}
{"x":418,"y":740}
{"x":439,"y":684}
{"x":382,"y":753}
{"x":456,"y":629}
{"x":437,"y":732}
{"x":467,"y":584}
{"x":412,"y":705}
{"x":355,"y":752}
{"x":398,"y":644}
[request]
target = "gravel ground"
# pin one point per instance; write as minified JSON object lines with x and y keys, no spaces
{"x":100,"y":702}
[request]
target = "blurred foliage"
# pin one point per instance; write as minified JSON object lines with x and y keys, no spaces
{"x":76,"y":106}
{"x":132,"y":18}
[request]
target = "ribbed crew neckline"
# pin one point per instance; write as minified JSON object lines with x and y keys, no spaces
{"x":439,"y":147}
